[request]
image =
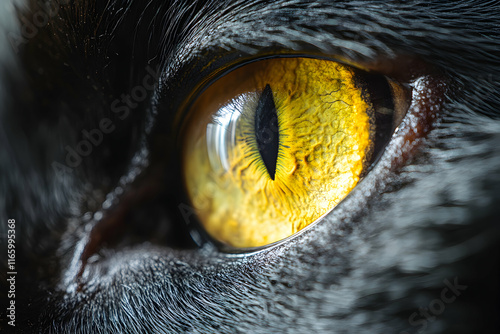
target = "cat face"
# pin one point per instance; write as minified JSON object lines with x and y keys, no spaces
{"x":106,"y":239}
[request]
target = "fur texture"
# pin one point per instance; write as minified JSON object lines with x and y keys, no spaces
{"x":382,"y":254}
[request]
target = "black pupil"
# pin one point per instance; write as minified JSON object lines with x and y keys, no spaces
{"x":267,"y":131}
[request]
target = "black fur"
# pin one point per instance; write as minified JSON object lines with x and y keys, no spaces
{"x":382,"y":254}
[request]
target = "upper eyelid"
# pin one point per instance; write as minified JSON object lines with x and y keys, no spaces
{"x":218,"y":34}
{"x":355,"y":32}
{"x":361,"y":43}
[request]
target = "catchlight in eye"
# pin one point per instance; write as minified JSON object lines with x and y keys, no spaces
{"x":275,"y":144}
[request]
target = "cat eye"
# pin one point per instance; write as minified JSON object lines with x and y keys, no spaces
{"x":275,"y":144}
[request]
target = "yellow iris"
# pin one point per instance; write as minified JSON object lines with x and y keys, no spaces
{"x":325,"y":141}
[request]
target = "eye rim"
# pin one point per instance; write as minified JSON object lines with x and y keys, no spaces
{"x":433,"y":77}
{"x":410,"y":77}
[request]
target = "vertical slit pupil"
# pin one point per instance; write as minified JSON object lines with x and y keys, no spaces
{"x":267,"y":131}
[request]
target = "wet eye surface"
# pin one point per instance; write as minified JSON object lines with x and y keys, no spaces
{"x":274,"y":145}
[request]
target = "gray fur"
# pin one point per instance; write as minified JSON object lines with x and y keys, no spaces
{"x":381,"y":254}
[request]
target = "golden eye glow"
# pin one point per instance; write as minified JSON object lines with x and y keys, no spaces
{"x":272,"y":146}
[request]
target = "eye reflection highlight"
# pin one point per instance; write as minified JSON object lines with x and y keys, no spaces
{"x":221,"y":132}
